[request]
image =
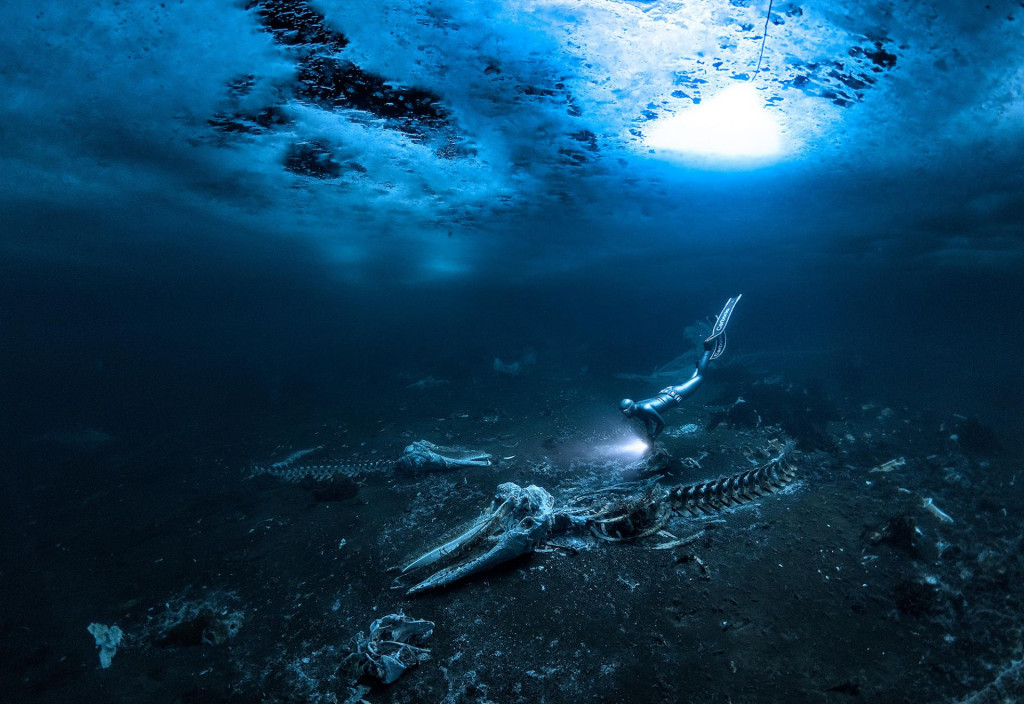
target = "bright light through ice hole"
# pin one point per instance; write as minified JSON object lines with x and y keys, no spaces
{"x":637,"y":447}
{"x":731,"y":124}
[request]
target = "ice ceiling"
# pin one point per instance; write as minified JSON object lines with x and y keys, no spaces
{"x":444,"y":136}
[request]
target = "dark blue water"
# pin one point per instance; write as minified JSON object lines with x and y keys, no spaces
{"x":232,"y":233}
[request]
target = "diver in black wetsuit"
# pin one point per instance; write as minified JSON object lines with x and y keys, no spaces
{"x":650,"y":409}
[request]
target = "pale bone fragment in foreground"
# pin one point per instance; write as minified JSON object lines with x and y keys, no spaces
{"x":931,"y":508}
{"x":887,"y":467}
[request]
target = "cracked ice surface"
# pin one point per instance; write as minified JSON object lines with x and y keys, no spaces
{"x":374,"y":130}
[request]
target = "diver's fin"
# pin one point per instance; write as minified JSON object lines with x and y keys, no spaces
{"x":719,"y":330}
{"x":719,"y":346}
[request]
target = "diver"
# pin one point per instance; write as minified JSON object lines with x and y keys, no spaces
{"x":650,"y":409}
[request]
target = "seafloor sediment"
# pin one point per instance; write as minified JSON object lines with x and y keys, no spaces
{"x":845,"y":586}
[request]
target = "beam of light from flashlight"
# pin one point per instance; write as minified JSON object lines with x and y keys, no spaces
{"x":635,"y":447}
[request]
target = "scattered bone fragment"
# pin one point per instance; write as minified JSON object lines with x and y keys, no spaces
{"x":930,"y":507}
{"x":297,"y":455}
{"x":519,"y":520}
{"x":423,"y":456}
{"x":108,"y":638}
{"x":419,"y":457}
{"x":892,"y":464}
{"x":427,"y":383}
{"x":392,"y":647}
{"x":681,"y":542}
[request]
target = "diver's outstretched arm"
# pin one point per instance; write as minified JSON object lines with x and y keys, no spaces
{"x":654,"y":424}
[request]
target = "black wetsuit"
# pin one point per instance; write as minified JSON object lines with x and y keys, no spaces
{"x":650,"y":409}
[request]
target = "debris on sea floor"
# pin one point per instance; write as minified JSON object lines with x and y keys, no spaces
{"x":427,"y":383}
{"x":889,"y":466}
{"x":930,"y":507}
{"x":107,"y":640}
{"x":392,"y":647}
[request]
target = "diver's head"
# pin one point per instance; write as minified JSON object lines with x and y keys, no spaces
{"x":627,"y":407}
